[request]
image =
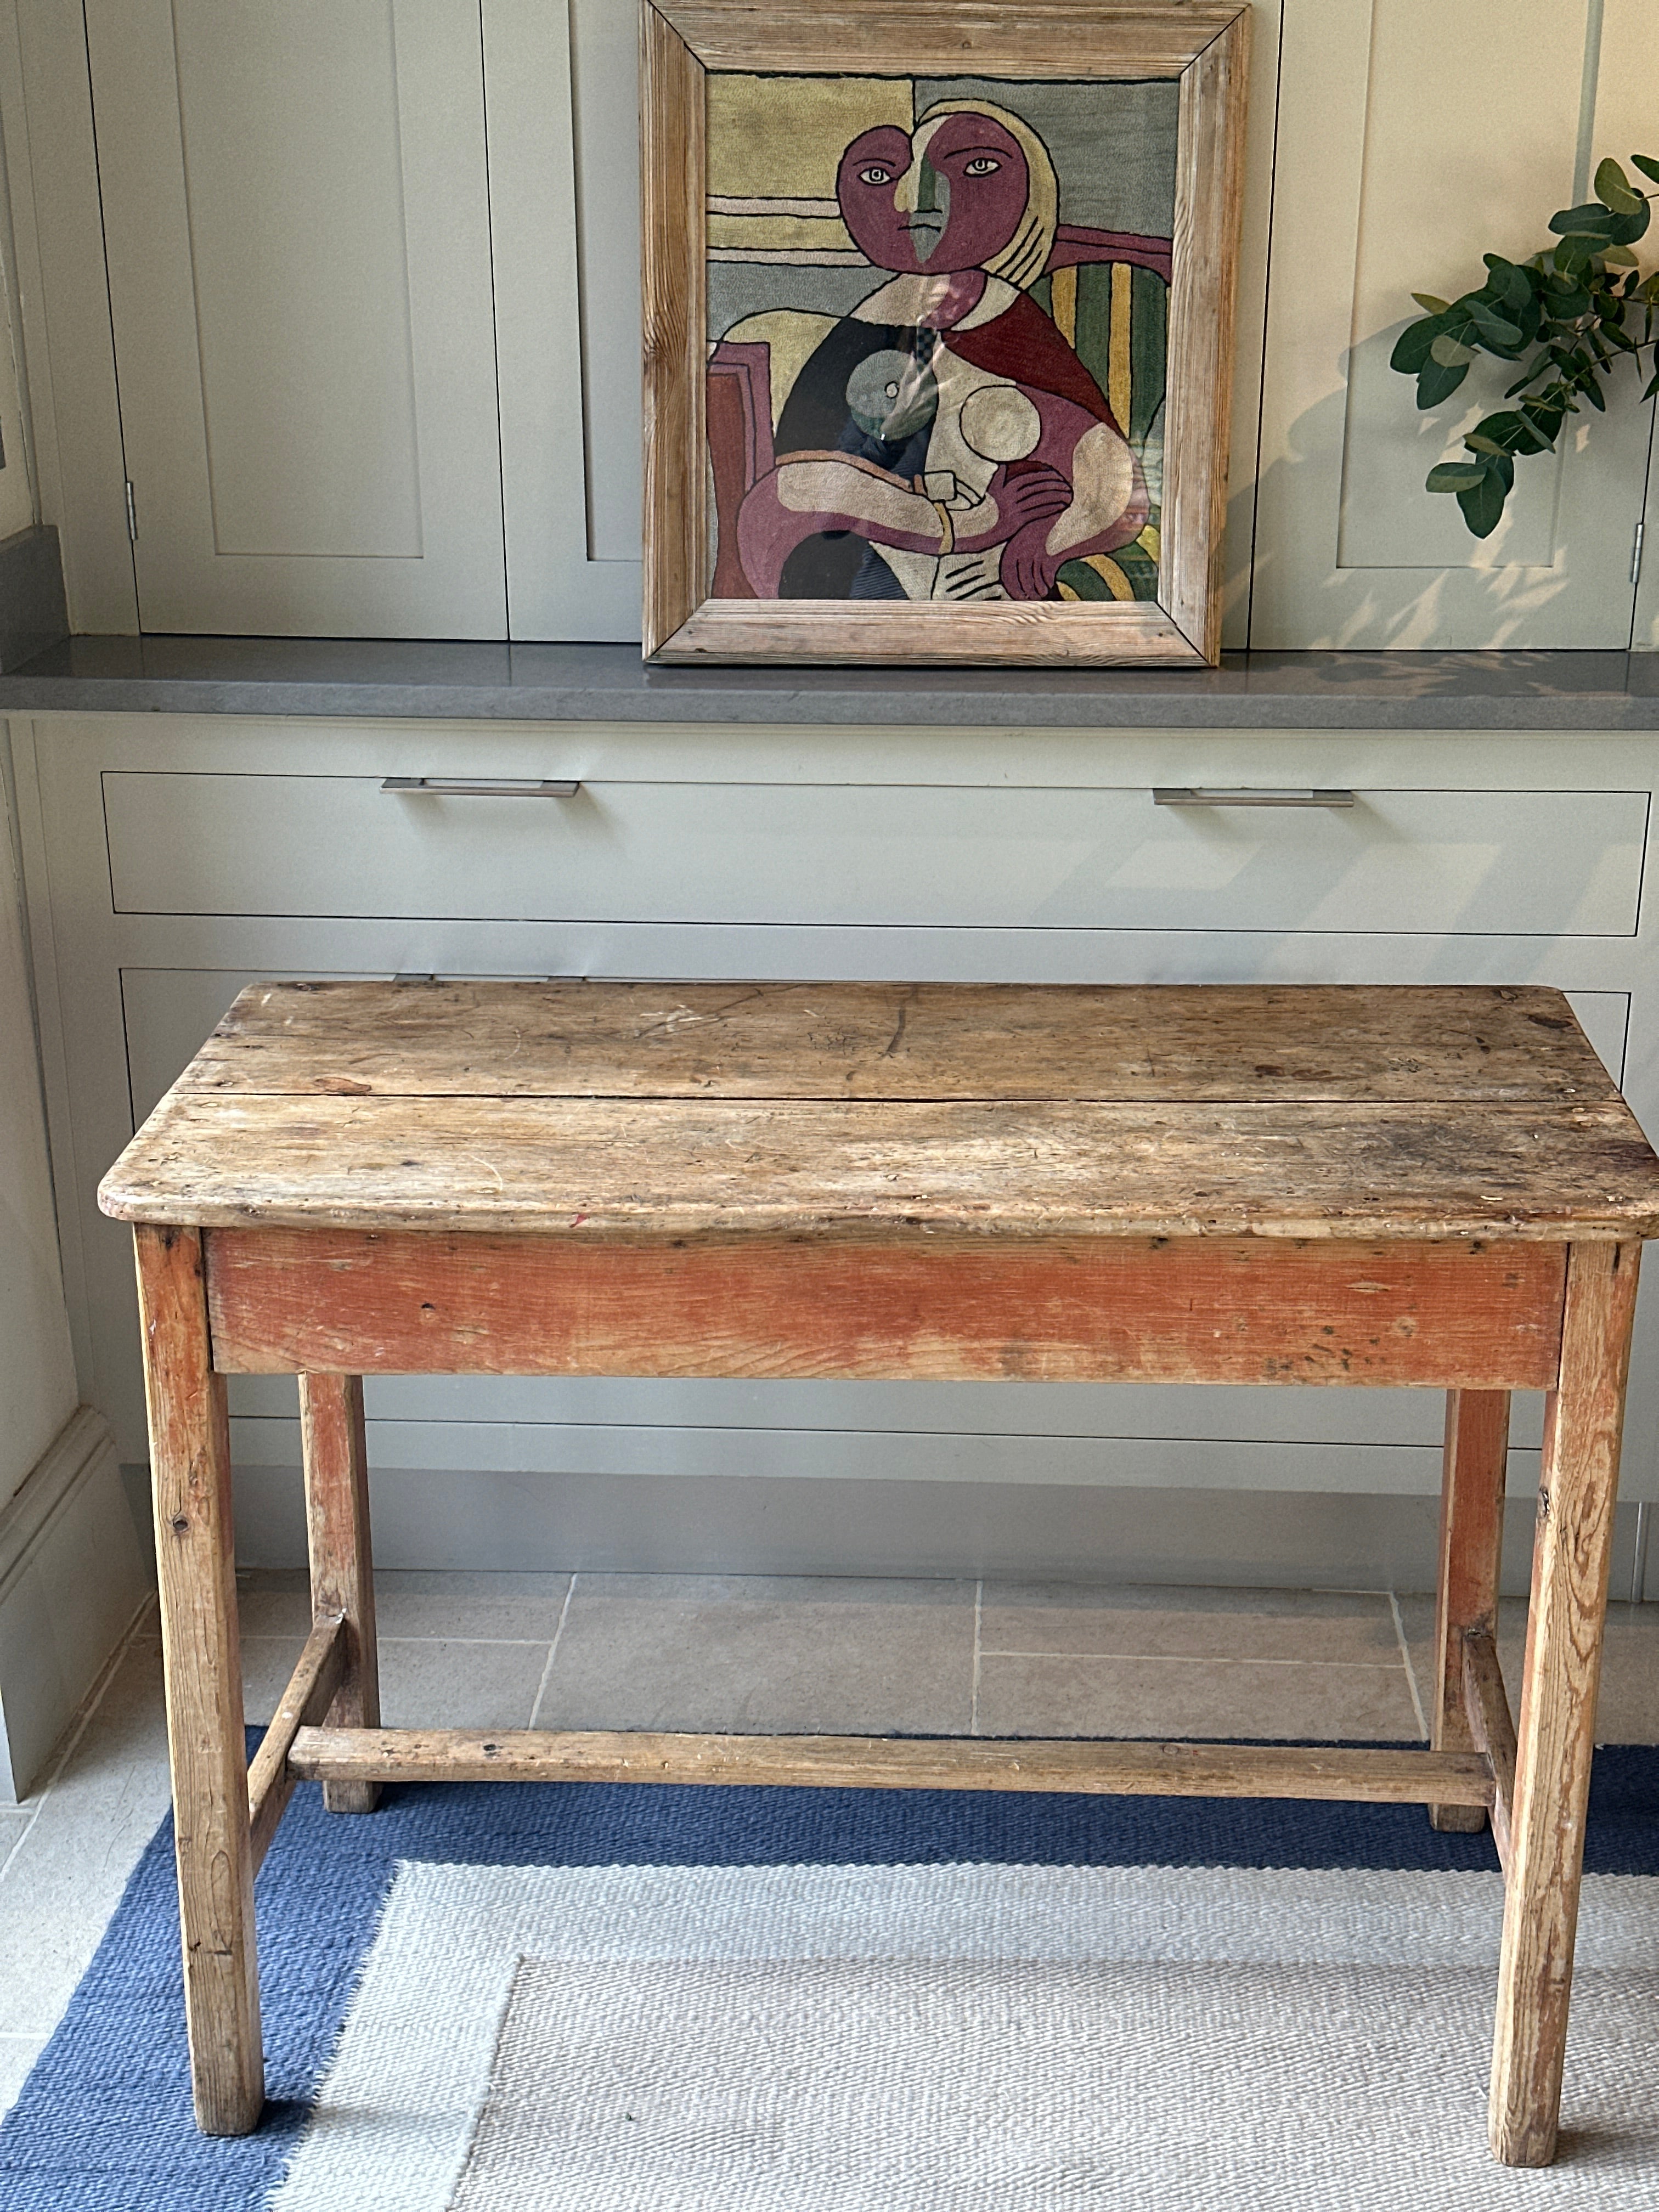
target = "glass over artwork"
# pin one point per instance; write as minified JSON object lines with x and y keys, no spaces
{"x":936,"y":321}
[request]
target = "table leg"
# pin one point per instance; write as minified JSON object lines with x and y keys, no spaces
{"x":342,"y":1564}
{"x":1577,"y":1492}
{"x":196,"y":1569}
{"x":1471,"y":1544}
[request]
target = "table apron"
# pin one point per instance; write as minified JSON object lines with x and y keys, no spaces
{"x":1441,"y":1314}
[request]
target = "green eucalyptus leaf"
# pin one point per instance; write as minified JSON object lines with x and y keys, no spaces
{"x":1567,"y":308}
{"x":1590,"y":220}
{"x":1483,"y":504}
{"x":1613,"y":186}
{"x":1503,"y":434}
{"x":1453,"y":475}
{"x":1510,"y":284}
{"x":1436,"y":381}
{"x":1493,"y":328}
{"x":1411,"y":348}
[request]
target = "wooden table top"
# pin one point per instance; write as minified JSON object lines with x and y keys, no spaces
{"x":663,"y":1111}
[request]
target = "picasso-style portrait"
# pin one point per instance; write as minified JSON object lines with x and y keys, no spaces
{"x":937,"y":309}
{"x":937,"y":313}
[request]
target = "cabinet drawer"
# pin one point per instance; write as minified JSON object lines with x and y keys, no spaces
{"x":1404,"y":861}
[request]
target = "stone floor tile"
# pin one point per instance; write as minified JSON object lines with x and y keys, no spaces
{"x":273,"y":1602}
{"x":95,"y":1816}
{"x":765,"y":1652}
{"x":433,"y":1682}
{"x":268,"y":1662}
{"x":426,"y":1682}
{"x":525,"y":1608}
{"x":1628,"y":1709}
{"x":1355,"y":1627}
{"x":14,"y":1823}
{"x":1068,"y":1695}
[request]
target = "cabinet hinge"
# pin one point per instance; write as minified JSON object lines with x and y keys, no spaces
{"x":1636,"y":553}
{"x":132,"y":513}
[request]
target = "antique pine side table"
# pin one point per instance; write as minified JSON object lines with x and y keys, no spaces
{"x":1427,"y":1187}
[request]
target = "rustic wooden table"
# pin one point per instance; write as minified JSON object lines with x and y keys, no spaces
{"x":1435,"y":1187}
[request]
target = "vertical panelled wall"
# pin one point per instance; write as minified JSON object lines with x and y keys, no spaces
{"x":350,"y":295}
{"x":1411,"y":135}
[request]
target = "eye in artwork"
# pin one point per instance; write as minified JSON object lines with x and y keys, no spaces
{"x":938,"y":313}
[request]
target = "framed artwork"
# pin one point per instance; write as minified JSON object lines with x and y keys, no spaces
{"x":938,"y":328}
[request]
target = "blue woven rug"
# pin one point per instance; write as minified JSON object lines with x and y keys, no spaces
{"x":104,"y":2123}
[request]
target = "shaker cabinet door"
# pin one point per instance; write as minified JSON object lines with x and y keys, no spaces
{"x":296,"y":213}
{"x":1413,"y":135}
{"x":561,"y":85}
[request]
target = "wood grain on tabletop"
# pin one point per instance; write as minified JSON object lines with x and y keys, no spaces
{"x":570,"y":1038}
{"x":786,"y":1109}
{"x":672,"y":1169}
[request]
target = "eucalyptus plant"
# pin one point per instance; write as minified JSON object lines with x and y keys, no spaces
{"x":1571,"y":310}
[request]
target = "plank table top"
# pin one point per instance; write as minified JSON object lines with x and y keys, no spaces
{"x":666,"y":1112}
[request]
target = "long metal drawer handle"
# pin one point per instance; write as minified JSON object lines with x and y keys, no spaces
{"x":496,"y":787}
{"x":1178,"y":795}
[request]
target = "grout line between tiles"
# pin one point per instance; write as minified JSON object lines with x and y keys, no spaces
{"x":973,"y":1707}
{"x":1411,"y":1671}
{"x":552,"y":1654}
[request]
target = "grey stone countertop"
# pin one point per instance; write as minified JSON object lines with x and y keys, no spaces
{"x":406,"y":680}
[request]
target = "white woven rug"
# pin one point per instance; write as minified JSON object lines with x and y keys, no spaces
{"x":965,"y":2038}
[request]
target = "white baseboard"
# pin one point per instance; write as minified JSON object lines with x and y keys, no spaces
{"x":72,"y":1576}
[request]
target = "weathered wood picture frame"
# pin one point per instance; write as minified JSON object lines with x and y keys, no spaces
{"x":1013,"y":450}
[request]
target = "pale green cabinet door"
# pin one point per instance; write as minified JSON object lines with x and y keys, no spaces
{"x":1413,"y":135}
{"x":562,"y":90}
{"x":296,"y":213}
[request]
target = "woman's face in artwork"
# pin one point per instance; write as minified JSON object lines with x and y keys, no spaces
{"x":948,"y":197}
